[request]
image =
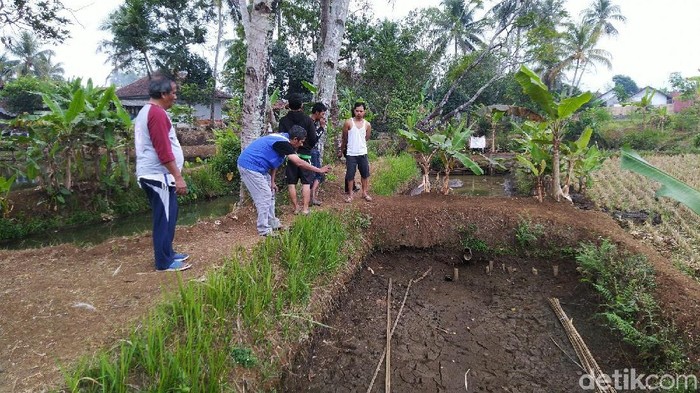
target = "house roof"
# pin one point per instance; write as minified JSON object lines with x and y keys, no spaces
{"x":139,"y":90}
{"x":643,"y":91}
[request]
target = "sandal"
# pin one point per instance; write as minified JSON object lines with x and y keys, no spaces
{"x":367,"y":198}
{"x":348,"y":199}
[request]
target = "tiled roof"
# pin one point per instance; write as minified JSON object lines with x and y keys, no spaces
{"x":139,"y":89}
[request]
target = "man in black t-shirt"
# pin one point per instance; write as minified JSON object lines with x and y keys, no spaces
{"x":294,"y":173}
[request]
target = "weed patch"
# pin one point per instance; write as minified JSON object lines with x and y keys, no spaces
{"x":626,"y":284}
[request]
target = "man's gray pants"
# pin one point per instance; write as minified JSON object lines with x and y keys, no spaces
{"x":258,"y":185}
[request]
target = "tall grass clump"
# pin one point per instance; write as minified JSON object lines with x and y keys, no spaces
{"x":237,"y":317}
{"x":626,"y":284}
{"x":393,"y":173}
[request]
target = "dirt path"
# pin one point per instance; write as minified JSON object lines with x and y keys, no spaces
{"x":59,"y":303}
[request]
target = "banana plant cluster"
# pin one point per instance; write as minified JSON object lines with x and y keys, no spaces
{"x":84,"y":127}
{"x":447,"y":143}
{"x":555,"y":116}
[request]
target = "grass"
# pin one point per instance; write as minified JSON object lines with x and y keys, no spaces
{"x":394,"y":172}
{"x":626,"y":285}
{"x":237,"y":318}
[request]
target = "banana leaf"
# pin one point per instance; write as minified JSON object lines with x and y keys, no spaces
{"x":670,"y":186}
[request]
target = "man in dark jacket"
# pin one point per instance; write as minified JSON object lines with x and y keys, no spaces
{"x":294,"y":173}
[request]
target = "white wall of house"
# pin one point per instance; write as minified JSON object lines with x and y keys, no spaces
{"x":609,"y":98}
{"x":203,"y":112}
{"x":658,"y":99}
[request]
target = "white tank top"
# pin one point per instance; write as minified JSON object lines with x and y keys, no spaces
{"x":357,"y":145}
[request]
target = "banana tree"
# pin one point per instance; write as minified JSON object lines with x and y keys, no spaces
{"x":556,"y":116}
{"x":644,"y":105}
{"x":82,"y":121}
{"x":574,"y":152}
{"x":5,"y":185}
{"x":419,"y":146}
{"x":592,"y":161}
{"x":450,"y":145}
{"x":535,"y":156}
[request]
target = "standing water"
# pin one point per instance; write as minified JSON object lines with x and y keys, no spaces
{"x":125,"y":226}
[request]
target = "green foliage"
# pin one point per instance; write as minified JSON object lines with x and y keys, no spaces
{"x":244,"y":357}
{"x":527,"y":234}
{"x":46,"y":19}
{"x":23,"y":95}
{"x":469,"y":239}
{"x":626,"y":284}
{"x":646,"y":139}
{"x":182,"y":114}
{"x":82,"y":123}
{"x":393,"y":174}
{"x":5,"y":185}
{"x":555,"y":119}
{"x":289,"y":71}
{"x":686,"y":120}
{"x":626,"y":84}
{"x":228,"y":148}
{"x":140,"y":39}
{"x":395,"y":71}
{"x":205,"y":182}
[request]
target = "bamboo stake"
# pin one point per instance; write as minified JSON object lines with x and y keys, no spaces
{"x":387,"y":372}
{"x":584,"y":354}
{"x":396,"y":322}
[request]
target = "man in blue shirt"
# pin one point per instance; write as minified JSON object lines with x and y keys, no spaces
{"x":258,"y":165}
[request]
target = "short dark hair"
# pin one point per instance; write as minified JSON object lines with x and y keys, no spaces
{"x":318,"y":107}
{"x":295,"y":102}
{"x":159,"y":86}
{"x":297,"y":132}
{"x":357,"y":105}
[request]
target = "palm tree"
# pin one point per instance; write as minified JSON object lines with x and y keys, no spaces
{"x":7,"y":68}
{"x":455,"y":24}
{"x":45,"y":68}
{"x":29,"y":53}
{"x":601,"y":13}
{"x":579,"y":43}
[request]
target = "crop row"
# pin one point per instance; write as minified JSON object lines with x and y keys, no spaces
{"x":678,"y":233}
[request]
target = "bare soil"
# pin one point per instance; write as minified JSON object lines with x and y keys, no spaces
{"x":60,"y":303}
{"x":496,"y":328}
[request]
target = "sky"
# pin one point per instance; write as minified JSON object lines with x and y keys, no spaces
{"x":659,"y":37}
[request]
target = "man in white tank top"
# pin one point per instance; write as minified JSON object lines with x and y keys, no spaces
{"x":356,"y":133}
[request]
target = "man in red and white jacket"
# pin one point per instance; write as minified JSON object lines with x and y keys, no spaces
{"x":159,"y":160}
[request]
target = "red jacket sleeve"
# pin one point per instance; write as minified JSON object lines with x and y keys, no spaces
{"x":159,"y":130}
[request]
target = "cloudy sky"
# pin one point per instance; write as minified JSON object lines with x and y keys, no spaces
{"x":660,"y":37}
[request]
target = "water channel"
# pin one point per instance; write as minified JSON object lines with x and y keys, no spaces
{"x":189,"y":214}
{"x":124,"y":226}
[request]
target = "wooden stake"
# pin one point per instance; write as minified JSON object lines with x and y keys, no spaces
{"x":555,"y":270}
{"x":393,"y":328}
{"x":387,"y":380}
{"x":455,"y":274}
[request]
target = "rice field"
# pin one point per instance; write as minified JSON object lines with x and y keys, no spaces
{"x":678,"y":235}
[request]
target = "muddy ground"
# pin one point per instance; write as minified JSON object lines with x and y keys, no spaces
{"x":60,"y":303}
{"x":497,"y":329}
